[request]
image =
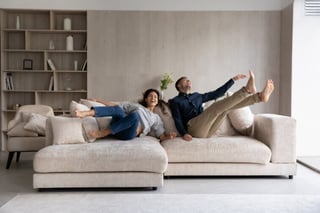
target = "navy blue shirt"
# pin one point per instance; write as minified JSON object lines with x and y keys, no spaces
{"x":184,"y":107}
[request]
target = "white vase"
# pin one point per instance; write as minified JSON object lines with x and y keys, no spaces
{"x":69,"y":43}
{"x":162,"y":94}
{"x":18,"y":22}
{"x":67,"y":24}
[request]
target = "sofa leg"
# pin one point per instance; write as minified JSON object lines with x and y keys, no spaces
{"x":290,"y":176}
{"x":10,"y":157}
{"x":18,"y":157}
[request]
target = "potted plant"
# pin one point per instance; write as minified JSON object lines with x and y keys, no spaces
{"x":164,"y":83}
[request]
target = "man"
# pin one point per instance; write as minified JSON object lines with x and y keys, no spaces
{"x":192,"y":121}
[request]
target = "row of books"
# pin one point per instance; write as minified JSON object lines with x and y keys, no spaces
{"x":53,"y":67}
{"x":9,"y":82}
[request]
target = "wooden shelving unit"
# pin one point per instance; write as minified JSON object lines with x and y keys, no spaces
{"x":30,"y":39}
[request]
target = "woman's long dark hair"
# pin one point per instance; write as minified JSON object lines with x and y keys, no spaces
{"x":161,"y":103}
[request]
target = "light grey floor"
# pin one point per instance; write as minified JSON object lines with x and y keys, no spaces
{"x":312,"y":162}
{"x":18,"y":180}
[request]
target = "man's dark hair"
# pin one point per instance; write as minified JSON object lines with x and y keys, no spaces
{"x":178,"y":81}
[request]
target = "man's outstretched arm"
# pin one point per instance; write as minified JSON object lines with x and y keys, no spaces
{"x":221,"y":90}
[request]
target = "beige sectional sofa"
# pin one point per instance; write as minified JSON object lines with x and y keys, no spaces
{"x":143,"y":162}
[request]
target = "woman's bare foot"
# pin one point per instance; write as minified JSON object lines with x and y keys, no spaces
{"x":267,"y":91}
{"x":82,"y":114}
{"x":99,"y":133}
{"x":251,"y":87}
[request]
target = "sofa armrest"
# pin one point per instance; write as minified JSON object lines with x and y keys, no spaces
{"x":49,"y":133}
{"x":279,"y":134}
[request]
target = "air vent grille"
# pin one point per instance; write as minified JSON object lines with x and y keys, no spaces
{"x":312,"y":7}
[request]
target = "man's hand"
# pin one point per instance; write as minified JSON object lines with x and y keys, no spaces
{"x":187,"y":137}
{"x":238,"y":77}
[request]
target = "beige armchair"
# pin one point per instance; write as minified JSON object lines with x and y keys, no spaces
{"x":21,"y":140}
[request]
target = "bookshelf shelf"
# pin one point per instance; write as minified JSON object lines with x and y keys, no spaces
{"x":39,"y":37}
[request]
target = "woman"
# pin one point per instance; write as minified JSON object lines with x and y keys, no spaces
{"x":130,"y":120}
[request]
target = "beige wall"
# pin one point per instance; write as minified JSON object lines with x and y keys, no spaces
{"x":130,"y":51}
{"x":286,"y":61}
{"x":305,"y":79}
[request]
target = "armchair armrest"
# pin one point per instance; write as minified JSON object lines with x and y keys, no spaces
{"x":279,"y":134}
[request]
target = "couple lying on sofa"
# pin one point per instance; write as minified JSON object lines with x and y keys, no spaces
{"x":132,"y":120}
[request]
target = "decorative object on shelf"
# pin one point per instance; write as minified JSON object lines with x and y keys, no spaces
{"x":51,"y":64}
{"x":51,"y":45}
{"x":75,"y":65}
{"x":67,"y":82}
{"x":18,"y":22}
{"x":67,"y":24}
{"x":27,"y":64}
{"x":164,"y":83}
{"x":69,"y":42}
{"x":15,"y":106}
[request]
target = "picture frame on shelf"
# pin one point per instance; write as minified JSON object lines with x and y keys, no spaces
{"x":27,"y":64}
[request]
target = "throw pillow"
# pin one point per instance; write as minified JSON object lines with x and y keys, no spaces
{"x":37,"y":123}
{"x":74,"y":106}
{"x":66,"y":130}
{"x":226,"y":129}
{"x":242,"y":120}
{"x":89,"y":124}
{"x":90,"y":103}
{"x":103,"y":122}
{"x":19,"y":131}
{"x":167,"y":119}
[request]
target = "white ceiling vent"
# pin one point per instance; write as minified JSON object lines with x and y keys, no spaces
{"x":312,"y":7}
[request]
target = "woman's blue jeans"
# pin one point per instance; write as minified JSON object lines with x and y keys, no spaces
{"x":123,"y":126}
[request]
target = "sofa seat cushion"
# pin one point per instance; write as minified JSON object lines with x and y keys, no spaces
{"x":143,"y":154}
{"x":235,"y":149}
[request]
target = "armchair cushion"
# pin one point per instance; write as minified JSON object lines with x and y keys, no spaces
{"x":19,"y":131}
{"x":36,"y":123}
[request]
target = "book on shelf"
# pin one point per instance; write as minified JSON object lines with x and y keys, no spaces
{"x":51,"y":84}
{"x":84,"y":66}
{"x":9,"y":82}
{"x":85,"y":47}
{"x":51,"y":64}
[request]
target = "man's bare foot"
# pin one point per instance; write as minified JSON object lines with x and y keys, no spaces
{"x":99,"y":134}
{"x":251,"y":87}
{"x":267,"y":91}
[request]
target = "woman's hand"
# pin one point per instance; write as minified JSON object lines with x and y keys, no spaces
{"x":238,"y":77}
{"x":171,"y":135}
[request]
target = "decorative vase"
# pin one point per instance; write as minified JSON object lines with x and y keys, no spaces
{"x":18,"y":22}
{"x":69,"y":43}
{"x":67,"y":24}
{"x":161,"y":94}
